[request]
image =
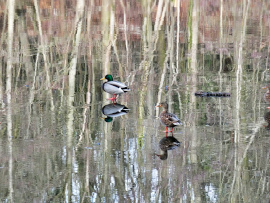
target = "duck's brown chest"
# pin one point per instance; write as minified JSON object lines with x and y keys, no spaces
{"x":267,"y":97}
{"x":165,"y":119}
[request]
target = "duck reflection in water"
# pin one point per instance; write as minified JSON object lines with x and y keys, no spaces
{"x":167,"y":143}
{"x":114,"y":110}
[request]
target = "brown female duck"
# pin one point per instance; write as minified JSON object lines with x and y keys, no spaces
{"x":267,"y":119}
{"x":168,"y":119}
{"x":267,"y":94}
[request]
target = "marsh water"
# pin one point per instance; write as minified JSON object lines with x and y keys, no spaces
{"x":54,"y":144}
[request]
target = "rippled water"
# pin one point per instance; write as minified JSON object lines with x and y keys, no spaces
{"x":55,"y":146}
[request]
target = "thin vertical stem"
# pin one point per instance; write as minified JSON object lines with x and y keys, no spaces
{"x":43,"y":48}
{"x":11,"y":13}
{"x":178,"y":35}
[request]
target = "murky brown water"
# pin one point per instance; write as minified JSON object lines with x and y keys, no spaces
{"x":56,"y":148}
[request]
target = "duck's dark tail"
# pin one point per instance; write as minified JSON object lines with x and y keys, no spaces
{"x":126,"y":89}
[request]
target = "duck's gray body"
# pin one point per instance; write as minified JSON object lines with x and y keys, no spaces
{"x":115,"y":87}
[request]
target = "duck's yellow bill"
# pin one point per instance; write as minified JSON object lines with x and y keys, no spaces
{"x":102,"y":78}
{"x":158,"y":105}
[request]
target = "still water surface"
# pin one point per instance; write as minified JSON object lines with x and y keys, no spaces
{"x":56,"y":148}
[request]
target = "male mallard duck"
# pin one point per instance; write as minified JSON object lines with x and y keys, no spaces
{"x":167,"y":143}
{"x":168,"y":119}
{"x":114,"y":110}
{"x":114,"y":87}
{"x":267,"y":94}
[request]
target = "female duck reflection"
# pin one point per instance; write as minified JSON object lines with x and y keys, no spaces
{"x":114,"y":110}
{"x":167,"y":143}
